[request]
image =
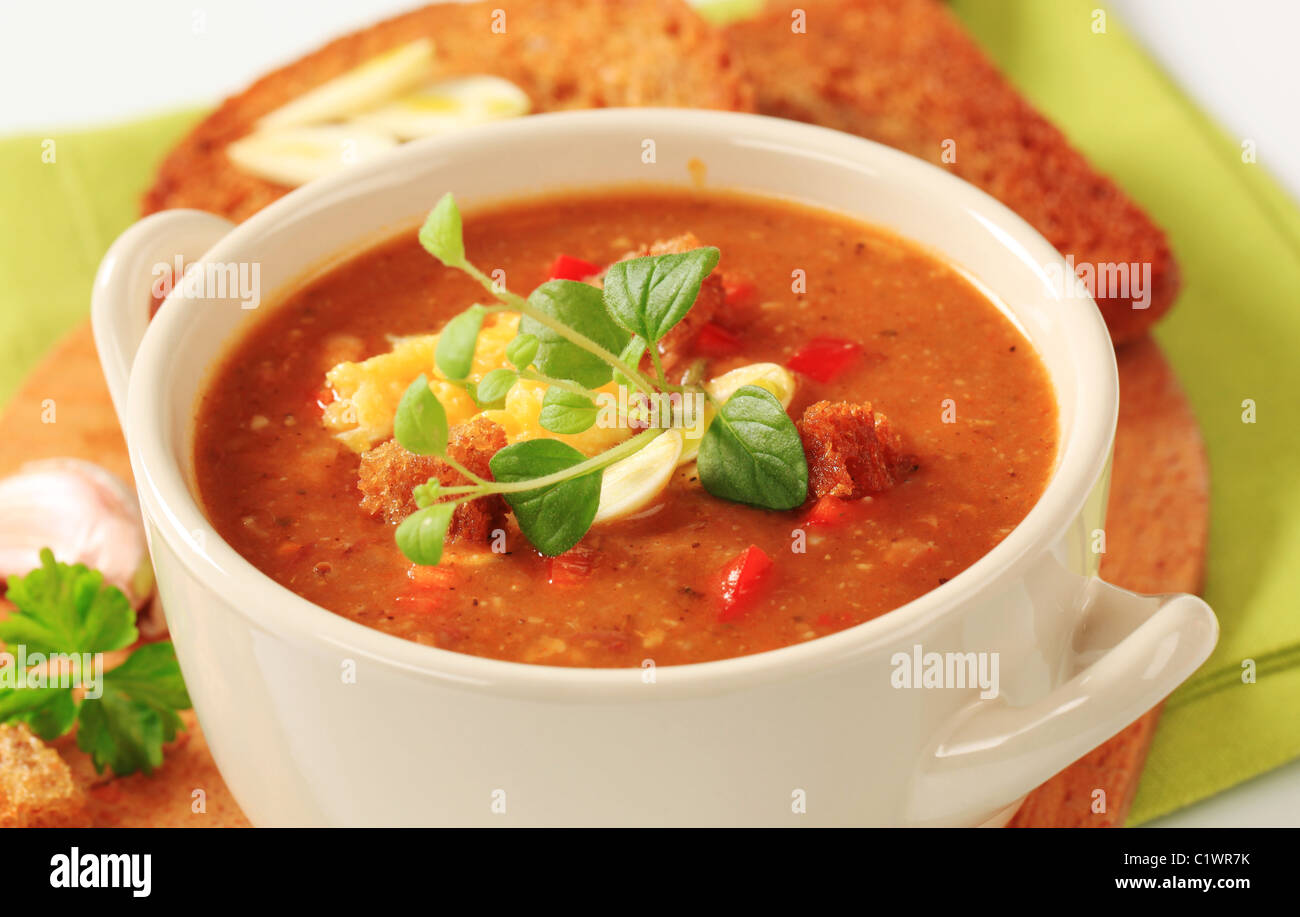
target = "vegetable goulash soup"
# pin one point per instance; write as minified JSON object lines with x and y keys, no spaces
{"x":643,"y":423}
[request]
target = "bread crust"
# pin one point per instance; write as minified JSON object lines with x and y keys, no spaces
{"x":388,"y":474}
{"x":36,"y":786}
{"x":905,"y":73}
{"x":852,"y":451}
{"x":676,"y":345}
{"x":565,"y":54}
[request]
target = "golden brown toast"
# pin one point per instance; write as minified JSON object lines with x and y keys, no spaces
{"x":36,"y":786}
{"x":905,"y":73}
{"x":564,"y":53}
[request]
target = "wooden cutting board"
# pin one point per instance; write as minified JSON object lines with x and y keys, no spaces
{"x":1156,"y":533}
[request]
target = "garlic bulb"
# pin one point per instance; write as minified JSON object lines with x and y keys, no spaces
{"x":83,"y":514}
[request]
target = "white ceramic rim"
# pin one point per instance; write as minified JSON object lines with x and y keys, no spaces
{"x":223,"y":571}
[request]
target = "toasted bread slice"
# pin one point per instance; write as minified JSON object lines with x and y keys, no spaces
{"x":905,"y":73}
{"x":36,"y":786}
{"x":563,"y":53}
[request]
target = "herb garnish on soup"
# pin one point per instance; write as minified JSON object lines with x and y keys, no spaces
{"x":668,"y":450}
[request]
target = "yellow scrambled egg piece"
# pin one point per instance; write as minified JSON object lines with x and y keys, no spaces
{"x":367,"y":392}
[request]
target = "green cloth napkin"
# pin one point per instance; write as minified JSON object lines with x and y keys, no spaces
{"x":1233,"y":336}
{"x":65,"y":196}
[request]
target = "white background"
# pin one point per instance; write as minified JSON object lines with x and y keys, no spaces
{"x":74,"y":63}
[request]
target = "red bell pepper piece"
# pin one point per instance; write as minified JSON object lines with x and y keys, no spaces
{"x":832,"y":511}
{"x":434,"y":579}
{"x":420,"y":603}
{"x":824,"y":358}
{"x":431,"y":587}
{"x":738,"y":293}
{"x":567,"y":267}
{"x":571,"y":567}
{"x":716,"y":341}
{"x":743,"y":581}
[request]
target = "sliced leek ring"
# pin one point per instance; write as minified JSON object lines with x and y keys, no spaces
{"x":630,"y":484}
{"x":691,"y":439}
{"x":776,"y":379}
{"x":296,"y":155}
{"x":449,"y":105}
{"x":365,"y":87}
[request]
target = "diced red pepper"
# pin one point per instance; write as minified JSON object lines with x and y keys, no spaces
{"x":838,"y":621}
{"x":743,"y":582}
{"x":738,"y":293}
{"x":831,"y":511}
{"x":433,"y":578}
{"x":567,"y":267}
{"x":572,"y":567}
{"x":716,"y":341}
{"x":824,"y":358}
{"x":425,"y":603}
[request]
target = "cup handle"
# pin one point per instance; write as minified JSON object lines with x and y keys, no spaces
{"x":1135,"y":650}
{"x":120,"y":299}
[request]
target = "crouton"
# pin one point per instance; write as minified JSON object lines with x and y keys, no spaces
{"x":676,"y":345}
{"x":851,"y":450}
{"x":564,"y":55}
{"x":389,"y":473}
{"x":905,"y":73}
{"x":36,"y":786}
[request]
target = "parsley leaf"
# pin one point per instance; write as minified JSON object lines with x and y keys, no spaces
{"x":63,"y":609}
{"x":50,"y":712}
{"x":67,"y":609}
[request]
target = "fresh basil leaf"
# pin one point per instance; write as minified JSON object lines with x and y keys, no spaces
{"x":752,"y":453}
{"x":566,"y":412}
{"x":553,"y":518}
{"x":631,"y":355}
{"x":422,"y":534}
{"x":492,"y":389}
{"x":67,"y":608}
{"x":441,"y":233}
{"x":457,"y":342}
{"x":420,"y":425}
{"x":647,"y":296}
{"x":522,"y":350}
{"x":578,"y":306}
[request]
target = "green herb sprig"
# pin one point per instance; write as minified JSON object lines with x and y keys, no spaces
{"x":68,"y":610}
{"x":576,"y":338}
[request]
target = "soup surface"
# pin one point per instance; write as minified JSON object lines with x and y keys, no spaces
{"x":863,"y":316}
